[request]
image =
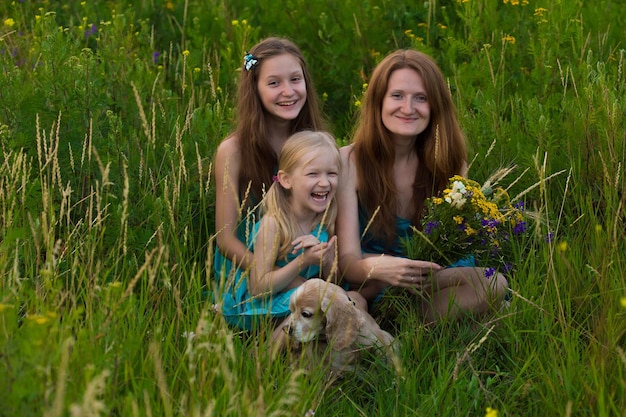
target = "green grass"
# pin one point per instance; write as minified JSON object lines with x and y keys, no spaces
{"x":106,"y":206}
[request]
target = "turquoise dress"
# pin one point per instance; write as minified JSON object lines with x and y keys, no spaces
{"x":245,"y":311}
{"x":370,"y":244}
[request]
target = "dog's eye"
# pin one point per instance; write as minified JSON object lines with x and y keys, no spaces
{"x":307,"y":314}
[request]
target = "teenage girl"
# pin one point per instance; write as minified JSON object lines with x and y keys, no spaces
{"x":276,"y":99}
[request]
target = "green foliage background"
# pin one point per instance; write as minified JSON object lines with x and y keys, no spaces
{"x":110,"y":112}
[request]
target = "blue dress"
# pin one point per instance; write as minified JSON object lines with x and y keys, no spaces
{"x":242,"y":309}
{"x":370,"y":244}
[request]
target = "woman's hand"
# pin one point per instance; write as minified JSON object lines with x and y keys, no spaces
{"x":400,"y":272}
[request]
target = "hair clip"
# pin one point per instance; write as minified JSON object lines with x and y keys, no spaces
{"x":250,"y":61}
{"x":275,"y":178}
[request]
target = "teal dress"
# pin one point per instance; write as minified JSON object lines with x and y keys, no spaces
{"x":370,"y":244}
{"x":245,"y":311}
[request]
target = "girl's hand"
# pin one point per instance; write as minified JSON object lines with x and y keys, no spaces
{"x":314,"y":251}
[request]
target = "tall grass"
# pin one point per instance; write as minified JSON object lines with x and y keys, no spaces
{"x":110,"y":113}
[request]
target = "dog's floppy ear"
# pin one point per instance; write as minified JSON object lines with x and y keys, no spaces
{"x":343,"y":323}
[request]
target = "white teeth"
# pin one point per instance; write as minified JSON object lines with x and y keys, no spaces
{"x":320,"y":196}
{"x":289,"y":103}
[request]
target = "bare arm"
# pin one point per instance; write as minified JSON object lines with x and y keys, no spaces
{"x":355,"y":266}
{"x":227,"y":206}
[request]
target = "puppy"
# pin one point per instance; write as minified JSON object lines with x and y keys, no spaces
{"x":323,"y":313}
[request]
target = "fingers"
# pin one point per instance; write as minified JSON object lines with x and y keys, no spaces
{"x":304,"y":242}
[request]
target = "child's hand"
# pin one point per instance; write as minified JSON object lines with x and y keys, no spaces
{"x":314,"y":250}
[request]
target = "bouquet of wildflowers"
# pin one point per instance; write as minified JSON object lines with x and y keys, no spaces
{"x":469,"y":222}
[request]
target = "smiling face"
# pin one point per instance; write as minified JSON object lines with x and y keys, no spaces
{"x":405,"y":108}
{"x":281,"y":86}
{"x":313,"y":181}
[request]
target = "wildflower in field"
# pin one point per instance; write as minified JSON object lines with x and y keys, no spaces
{"x":491,"y":412}
{"x":357,"y":103}
{"x":562,"y":246}
{"x":598,"y":228}
{"x":185,"y":52}
{"x":41,"y":319}
{"x":442,"y":26}
{"x":549,"y":237}
{"x":234,"y":22}
{"x":91,"y":30}
{"x":622,"y":301}
{"x":155,"y":57}
{"x":9,"y":22}
{"x":169,"y":6}
{"x":4,"y":307}
{"x":509,"y":39}
{"x":196,"y":70}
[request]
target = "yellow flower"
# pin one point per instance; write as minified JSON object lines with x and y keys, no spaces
{"x":9,"y":22}
{"x":185,"y":52}
{"x":196,"y":70}
{"x":5,"y":307}
{"x":437,"y":201}
{"x":491,"y":412}
{"x":169,"y":5}
{"x":357,"y":103}
{"x":509,"y":39}
{"x":458,"y":219}
{"x":39,"y":319}
{"x":325,"y":96}
{"x":234,"y":22}
{"x":598,"y":228}
{"x":441,"y":26}
{"x":562,"y":246}
{"x":469,"y":231}
{"x":622,"y":301}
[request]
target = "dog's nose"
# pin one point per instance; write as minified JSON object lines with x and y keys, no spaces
{"x":288,"y":329}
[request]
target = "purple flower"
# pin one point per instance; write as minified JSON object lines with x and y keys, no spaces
{"x":489,"y":223}
{"x":520,"y":228}
{"x":155,"y":57}
{"x":549,"y":237}
{"x":430,"y":226}
{"x":490,"y":272}
{"x":92,"y":30}
{"x":520,"y":205}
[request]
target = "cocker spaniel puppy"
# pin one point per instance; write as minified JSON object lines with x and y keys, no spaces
{"x":323,"y":313}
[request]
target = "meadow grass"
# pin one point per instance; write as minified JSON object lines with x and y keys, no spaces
{"x":110,"y":113}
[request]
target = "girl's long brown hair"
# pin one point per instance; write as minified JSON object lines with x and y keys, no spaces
{"x":258,"y":160}
{"x":441,"y":148}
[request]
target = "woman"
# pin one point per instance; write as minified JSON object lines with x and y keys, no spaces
{"x":406,"y":146}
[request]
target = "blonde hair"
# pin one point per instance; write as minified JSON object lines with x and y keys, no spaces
{"x":277,"y":201}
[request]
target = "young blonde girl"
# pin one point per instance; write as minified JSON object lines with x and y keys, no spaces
{"x":276,"y":99}
{"x":294,"y":240}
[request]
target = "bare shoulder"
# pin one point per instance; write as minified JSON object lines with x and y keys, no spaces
{"x":228,"y":148}
{"x":347,"y":159}
{"x":267,"y":224}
